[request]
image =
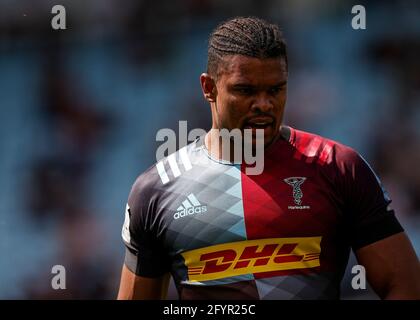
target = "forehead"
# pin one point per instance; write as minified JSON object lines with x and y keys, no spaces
{"x":250,"y":70}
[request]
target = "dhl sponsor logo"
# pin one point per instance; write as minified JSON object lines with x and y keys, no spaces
{"x":252,"y":256}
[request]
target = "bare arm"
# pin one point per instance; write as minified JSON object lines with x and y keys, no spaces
{"x":392,"y":267}
{"x":133,"y":287}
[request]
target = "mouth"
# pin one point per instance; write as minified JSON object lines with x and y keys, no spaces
{"x":264,"y":123}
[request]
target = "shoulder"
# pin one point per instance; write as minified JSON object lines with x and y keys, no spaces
{"x":323,"y":151}
{"x":165,"y":172}
{"x":146,"y":181}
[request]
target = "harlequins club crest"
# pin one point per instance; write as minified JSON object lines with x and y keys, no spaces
{"x":295,"y":183}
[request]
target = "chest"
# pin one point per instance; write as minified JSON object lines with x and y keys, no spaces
{"x":289,"y":201}
{"x":229,"y":206}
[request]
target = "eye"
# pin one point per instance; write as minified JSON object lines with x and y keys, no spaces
{"x":275,"y":90}
{"x":244,"y":90}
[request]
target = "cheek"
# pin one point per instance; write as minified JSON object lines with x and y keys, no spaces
{"x":233,"y":107}
{"x":281,"y":101}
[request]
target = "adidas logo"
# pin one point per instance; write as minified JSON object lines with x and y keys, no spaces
{"x":190,"y":206}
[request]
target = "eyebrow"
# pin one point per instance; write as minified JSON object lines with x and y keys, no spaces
{"x":280,"y":84}
{"x":243,"y":85}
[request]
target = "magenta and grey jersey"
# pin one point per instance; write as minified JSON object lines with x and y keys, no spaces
{"x":283,"y":234}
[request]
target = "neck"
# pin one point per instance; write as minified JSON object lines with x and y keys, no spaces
{"x":226,"y":149}
{"x":219,"y":148}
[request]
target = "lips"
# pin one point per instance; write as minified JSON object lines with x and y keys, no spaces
{"x":259,"y":123}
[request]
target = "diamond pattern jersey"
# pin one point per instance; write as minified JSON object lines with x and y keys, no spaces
{"x":283,"y":234}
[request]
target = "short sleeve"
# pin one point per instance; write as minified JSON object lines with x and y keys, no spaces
{"x":145,"y":254}
{"x":369,"y":217}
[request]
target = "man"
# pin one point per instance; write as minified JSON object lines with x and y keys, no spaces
{"x":282,"y":234}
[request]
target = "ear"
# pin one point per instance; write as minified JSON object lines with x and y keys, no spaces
{"x":208,"y":85}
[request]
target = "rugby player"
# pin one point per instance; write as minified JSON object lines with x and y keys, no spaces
{"x":283,"y":234}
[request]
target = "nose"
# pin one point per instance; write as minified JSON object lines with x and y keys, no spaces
{"x":262,"y":104}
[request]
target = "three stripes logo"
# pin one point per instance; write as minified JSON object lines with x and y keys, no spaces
{"x":173,"y":164}
{"x":190,"y":206}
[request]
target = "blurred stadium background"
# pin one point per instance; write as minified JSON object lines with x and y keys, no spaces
{"x":80,"y":108}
